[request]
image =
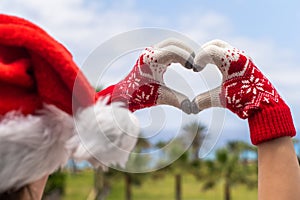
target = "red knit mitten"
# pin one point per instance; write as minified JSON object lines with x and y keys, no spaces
{"x":245,"y":91}
{"x":144,"y":86}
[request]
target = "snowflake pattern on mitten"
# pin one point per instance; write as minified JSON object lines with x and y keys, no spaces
{"x":144,"y":85}
{"x":245,"y":91}
{"x":140,"y":88}
{"x":244,"y":88}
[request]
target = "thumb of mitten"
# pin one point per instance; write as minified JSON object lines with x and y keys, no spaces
{"x":209,"y":99}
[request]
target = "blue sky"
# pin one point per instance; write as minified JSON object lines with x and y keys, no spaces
{"x":268,"y":30}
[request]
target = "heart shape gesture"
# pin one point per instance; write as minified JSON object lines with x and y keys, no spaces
{"x":245,"y":91}
{"x":144,"y":86}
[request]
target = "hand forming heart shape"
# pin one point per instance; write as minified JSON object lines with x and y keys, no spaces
{"x":244,"y":88}
{"x":245,"y":91}
{"x":144,"y":86}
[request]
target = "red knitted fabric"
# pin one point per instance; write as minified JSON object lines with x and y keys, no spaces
{"x":246,"y":92}
{"x":144,"y":85}
{"x":271,"y":123}
{"x":36,"y":69}
{"x":249,"y":94}
{"x":139,"y":89}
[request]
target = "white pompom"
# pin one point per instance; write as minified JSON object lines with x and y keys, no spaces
{"x":106,"y":134}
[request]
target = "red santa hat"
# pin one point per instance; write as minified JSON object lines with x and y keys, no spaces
{"x":41,"y":113}
{"x":36,"y":69}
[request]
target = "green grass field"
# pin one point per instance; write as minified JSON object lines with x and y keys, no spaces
{"x":80,"y":185}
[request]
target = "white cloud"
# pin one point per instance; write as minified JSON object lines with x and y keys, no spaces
{"x":80,"y":25}
{"x":204,"y":26}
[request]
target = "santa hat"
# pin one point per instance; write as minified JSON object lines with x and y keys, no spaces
{"x":41,"y":113}
{"x":35,"y":69}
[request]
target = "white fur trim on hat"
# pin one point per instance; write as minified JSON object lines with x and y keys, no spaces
{"x":33,"y":146}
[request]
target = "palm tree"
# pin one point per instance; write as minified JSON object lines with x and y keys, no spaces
{"x":194,"y":132}
{"x":136,"y":162}
{"x":103,"y":180}
{"x":229,"y":167}
{"x":193,"y":135}
{"x":177,"y":168}
{"x":101,"y":183}
{"x":243,"y":149}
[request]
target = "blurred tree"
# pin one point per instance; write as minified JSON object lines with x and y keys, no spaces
{"x":178,"y":167}
{"x":136,"y":163}
{"x":99,"y":88}
{"x":229,"y":166}
{"x":101,"y":183}
{"x":184,"y":151}
{"x":245,"y":151}
{"x":101,"y":178}
{"x":176,"y":153}
{"x":73,"y":166}
{"x":194,"y":132}
{"x":55,"y":186}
